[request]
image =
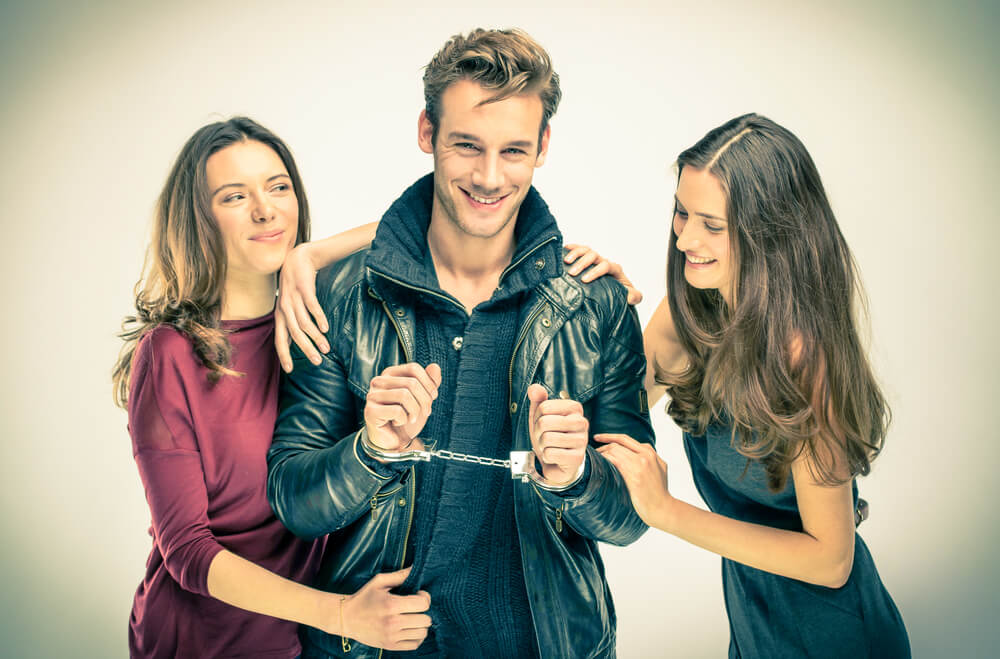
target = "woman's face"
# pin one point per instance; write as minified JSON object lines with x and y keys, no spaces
{"x":703,"y":230}
{"x":254,"y":205}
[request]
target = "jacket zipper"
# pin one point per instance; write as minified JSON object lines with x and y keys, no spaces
{"x":412,"y":490}
{"x":446,"y":298}
{"x":513,"y":355}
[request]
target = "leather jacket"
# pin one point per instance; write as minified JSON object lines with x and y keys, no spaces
{"x":582,"y":339}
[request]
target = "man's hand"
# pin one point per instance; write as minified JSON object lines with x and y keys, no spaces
{"x":559,"y":434}
{"x":399,"y":403}
{"x":377,"y":618}
{"x":296,"y":309}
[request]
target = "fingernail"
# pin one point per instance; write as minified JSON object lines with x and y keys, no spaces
{"x":324,"y":346}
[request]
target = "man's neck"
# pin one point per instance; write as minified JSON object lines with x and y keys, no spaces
{"x":468,"y":267}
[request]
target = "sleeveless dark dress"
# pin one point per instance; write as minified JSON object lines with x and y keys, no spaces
{"x":773,"y":616}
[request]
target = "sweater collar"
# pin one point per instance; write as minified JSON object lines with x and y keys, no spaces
{"x":399,"y":252}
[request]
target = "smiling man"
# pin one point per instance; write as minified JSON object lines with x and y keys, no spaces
{"x":456,"y":339}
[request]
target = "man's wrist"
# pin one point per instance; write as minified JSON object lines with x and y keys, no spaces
{"x":568,"y":485}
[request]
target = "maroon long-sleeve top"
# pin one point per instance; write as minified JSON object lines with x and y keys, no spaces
{"x":201,"y":448}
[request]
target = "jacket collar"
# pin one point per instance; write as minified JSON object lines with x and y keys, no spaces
{"x":400,"y":257}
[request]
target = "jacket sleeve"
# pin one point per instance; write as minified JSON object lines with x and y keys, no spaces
{"x":317,"y":482}
{"x":603,"y":510}
{"x":166,"y":451}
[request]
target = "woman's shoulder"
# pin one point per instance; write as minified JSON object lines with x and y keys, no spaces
{"x":164,"y":349}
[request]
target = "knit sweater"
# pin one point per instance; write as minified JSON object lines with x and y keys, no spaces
{"x":464,"y":542}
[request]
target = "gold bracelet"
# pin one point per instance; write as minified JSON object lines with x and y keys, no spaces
{"x":345,"y":643}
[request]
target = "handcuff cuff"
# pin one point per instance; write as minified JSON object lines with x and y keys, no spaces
{"x":521,"y":463}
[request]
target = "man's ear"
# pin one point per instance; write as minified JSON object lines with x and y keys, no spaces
{"x":425,"y":133}
{"x":544,"y":150}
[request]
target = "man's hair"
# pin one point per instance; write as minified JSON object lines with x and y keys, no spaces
{"x":506,"y":62}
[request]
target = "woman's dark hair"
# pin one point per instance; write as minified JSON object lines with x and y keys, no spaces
{"x":185,"y":270}
{"x":783,"y":364}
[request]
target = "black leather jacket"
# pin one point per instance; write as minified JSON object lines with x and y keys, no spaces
{"x":580,"y":338}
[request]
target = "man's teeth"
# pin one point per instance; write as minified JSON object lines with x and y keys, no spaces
{"x":485,"y":200}
{"x":696,"y":259}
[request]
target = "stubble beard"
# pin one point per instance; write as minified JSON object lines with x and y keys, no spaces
{"x":447,"y":204}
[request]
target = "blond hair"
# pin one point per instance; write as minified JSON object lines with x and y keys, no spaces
{"x":506,"y":62}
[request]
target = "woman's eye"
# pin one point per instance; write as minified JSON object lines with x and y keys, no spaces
{"x":236,"y":196}
{"x":281,"y":187}
{"x":713,"y":228}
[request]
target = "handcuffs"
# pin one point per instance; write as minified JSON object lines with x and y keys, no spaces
{"x":521,"y":463}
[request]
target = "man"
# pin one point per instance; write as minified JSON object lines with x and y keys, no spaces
{"x":459,"y":331}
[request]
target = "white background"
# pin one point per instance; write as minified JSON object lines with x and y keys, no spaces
{"x":896,"y":104}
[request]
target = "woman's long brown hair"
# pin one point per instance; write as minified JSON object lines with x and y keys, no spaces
{"x":185,"y":269}
{"x":784,"y":365}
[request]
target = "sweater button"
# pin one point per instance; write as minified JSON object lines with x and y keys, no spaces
{"x":402,"y":502}
{"x":513,"y":408}
{"x":539,"y":264}
{"x":400,"y":313}
{"x":546,"y":322}
{"x":456,"y":343}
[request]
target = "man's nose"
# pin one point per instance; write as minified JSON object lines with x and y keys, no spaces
{"x":487,"y":174}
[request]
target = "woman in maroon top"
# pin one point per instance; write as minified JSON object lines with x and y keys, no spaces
{"x":199,"y":377}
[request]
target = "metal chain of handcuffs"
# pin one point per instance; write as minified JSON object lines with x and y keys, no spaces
{"x":521,"y":463}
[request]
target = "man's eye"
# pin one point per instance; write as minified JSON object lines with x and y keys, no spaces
{"x":681,"y":214}
{"x":467,"y":146}
{"x":515,"y":151}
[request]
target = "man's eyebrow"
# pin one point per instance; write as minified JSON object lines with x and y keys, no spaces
{"x":524,"y":144}
{"x":706,"y":215}
{"x":462,"y":136}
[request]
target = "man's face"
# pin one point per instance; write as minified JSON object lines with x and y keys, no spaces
{"x":484,"y":157}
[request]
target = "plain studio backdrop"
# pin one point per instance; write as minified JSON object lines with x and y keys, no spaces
{"x":896,"y":103}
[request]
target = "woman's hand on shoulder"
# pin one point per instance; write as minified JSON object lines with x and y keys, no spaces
{"x":580,"y":257}
{"x":298,"y":315}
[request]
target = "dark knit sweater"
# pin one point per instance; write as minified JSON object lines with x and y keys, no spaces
{"x":463,"y":542}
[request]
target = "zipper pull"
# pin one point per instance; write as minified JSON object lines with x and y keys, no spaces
{"x":374,"y":504}
{"x":559,"y":514}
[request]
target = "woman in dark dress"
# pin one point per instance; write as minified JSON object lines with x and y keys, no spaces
{"x":757,"y":346}
{"x":199,"y":377}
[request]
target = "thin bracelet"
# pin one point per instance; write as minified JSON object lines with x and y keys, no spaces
{"x":345,"y":642}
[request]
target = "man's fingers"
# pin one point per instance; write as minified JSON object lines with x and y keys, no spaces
{"x":388,"y":388}
{"x":634,"y":295}
{"x":418,"y":372}
{"x":400,"y":398}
